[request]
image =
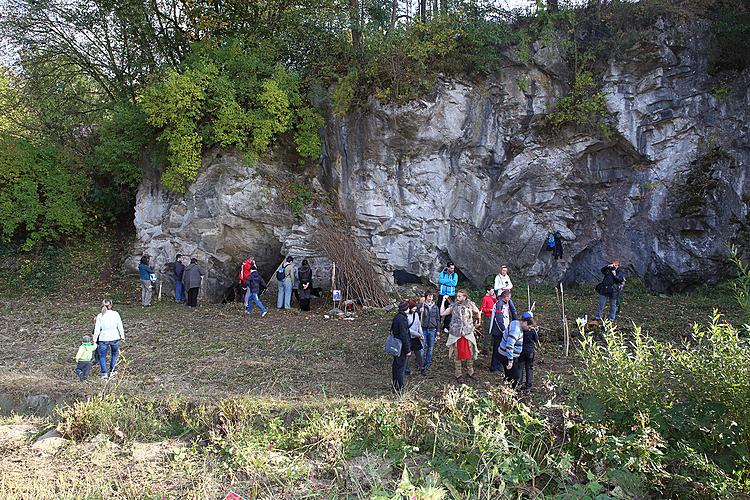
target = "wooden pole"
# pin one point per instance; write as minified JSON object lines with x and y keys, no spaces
{"x":566,"y":332}
{"x":528,"y":294}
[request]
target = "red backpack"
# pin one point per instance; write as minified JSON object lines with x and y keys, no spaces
{"x":245,"y":270}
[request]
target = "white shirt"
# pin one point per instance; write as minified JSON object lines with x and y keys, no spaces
{"x":503,"y":282}
{"x":108,"y":327}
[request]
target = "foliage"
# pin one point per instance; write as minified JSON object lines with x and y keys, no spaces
{"x":40,"y":199}
{"x":230,"y":95}
{"x":692,"y":396}
{"x":741,"y":282}
{"x":584,"y":107}
{"x":731,"y":28}
{"x":299,"y":197}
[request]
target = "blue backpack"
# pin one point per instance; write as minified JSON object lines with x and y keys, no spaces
{"x":550,"y":240}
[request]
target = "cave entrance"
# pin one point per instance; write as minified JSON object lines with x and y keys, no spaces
{"x":402,"y":277}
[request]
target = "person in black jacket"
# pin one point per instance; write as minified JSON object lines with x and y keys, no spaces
{"x":305,"y":275}
{"x":179,"y":269}
{"x":400,"y":330}
{"x":609,"y":289}
{"x":530,"y":339}
{"x":255,"y":284}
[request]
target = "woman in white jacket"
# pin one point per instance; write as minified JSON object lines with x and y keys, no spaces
{"x":108,"y":332}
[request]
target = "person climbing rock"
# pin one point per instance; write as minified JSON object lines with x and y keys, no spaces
{"x":609,"y":289}
{"x":502,"y":281}
{"x":448,"y":281}
{"x":192,"y":280}
{"x":305,"y":275}
{"x":462,"y":344}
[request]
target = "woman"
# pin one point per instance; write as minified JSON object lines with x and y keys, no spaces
{"x":192,"y":279}
{"x":108,"y":332}
{"x":145,"y":272}
{"x":305,"y":285}
{"x":415,"y":335}
{"x":462,"y":344}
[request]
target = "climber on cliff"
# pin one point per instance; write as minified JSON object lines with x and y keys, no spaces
{"x":448,"y":281}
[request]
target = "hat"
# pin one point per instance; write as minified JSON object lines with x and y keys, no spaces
{"x":403,"y":306}
{"x":527,"y":315}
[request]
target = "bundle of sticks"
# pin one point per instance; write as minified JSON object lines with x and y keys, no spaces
{"x":355,"y":273}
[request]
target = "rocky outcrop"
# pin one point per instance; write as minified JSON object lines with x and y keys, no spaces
{"x":471,"y":175}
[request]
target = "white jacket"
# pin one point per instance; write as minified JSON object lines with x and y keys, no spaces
{"x":108,"y":327}
{"x":503,"y":282}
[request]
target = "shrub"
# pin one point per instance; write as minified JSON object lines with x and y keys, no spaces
{"x":584,"y":108}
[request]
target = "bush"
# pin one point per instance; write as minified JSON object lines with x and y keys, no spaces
{"x":695,"y":394}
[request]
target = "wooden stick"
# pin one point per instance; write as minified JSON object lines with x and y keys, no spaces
{"x":159,"y":296}
{"x":566,"y":333}
{"x":528,"y":294}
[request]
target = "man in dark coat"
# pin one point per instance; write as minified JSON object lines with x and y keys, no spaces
{"x":192,"y":278}
{"x":609,"y":289}
{"x":179,"y":269}
{"x":400,"y":330}
{"x":305,"y":275}
{"x":255,"y":284}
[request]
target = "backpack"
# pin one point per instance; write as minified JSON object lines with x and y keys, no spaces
{"x":280,"y":273}
{"x":550,"y":241}
{"x":606,"y":290}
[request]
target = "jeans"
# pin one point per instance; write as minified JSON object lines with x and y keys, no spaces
{"x":496,"y":360}
{"x":252,"y":298}
{"x":397,"y":372}
{"x":284,"y":297}
{"x":103,"y":346}
{"x":527,"y":359}
{"x":514,"y":374}
{"x":146,"y":293}
{"x":82,"y":369}
{"x":429,"y":343}
{"x":603,"y":299}
{"x":179,"y":293}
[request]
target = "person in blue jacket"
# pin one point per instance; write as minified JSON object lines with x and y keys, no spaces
{"x":448,"y":281}
{"x":145,"y":272}
{"x":511,"y":347}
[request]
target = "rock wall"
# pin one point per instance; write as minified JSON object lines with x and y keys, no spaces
{"x":470,"y":174}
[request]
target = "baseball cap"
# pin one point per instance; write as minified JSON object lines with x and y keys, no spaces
{"x":527,"y":315}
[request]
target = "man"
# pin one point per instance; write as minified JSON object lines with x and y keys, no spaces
{"x":285,"y":277}
{"x":429,"y":314}
{"x":400,"y":330}
{"x":255,"y":284}
{"x":462,"y":344}
{"x":511,"y":347}
{"x":526,"y":359}
{"x":502,"y":314}
{"x":179,"y":269}
{"x":609,"y":289}
{"x":448,"y":281}
{"x":502,"y":281}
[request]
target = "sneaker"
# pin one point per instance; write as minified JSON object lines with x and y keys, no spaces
{"x":104,"y":376}
{"x":112,"y":374}
{"x":263,"y":315}
{"x":445,"y":330}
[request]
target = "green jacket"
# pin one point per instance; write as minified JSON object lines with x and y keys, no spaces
{"x":86,"y":352}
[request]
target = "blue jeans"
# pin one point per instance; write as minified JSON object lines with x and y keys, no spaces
{"x":179,"y":293}
{"x":284,"y":298}
{"x":429,"y":343}
{"x":102,"y":347}
{"x":603,"y":299}
{"x":252,"y":298}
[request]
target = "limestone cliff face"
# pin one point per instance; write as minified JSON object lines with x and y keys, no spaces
{"x":468,"y":174}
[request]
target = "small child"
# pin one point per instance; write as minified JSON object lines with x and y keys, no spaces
{"x":84,"y":357}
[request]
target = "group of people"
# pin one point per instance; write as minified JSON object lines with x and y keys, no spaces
{"x":292,"y":281}
{"x":418,"y":325}
{"x":186,"y":278}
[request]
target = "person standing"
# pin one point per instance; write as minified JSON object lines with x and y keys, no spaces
{"x":502,"y":281}
{"x":400,"y":330}
{"x":488,"y":303}
{"x":179,"y":270}
{"x":285,"y":277}
{"x":511,"y":347}
{"x":108,"y":332}
{"x":429,"y":315}
{"x":254,"y":284}
{"x":305,"y":275}
{"x":84,"y":357}
{"x":192,"y":280}
{"x":609,"y":289}
{"x":416,"y":336}
{"x":448,"y":281}
{"x":145,"y":273}
{"x":502,"y":314}
{"x":530,"y":339}
{"x":462,"y":344}
{"x":245,"y":269}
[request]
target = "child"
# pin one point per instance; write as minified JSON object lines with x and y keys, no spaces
{"x":84,"y":357}
{"x":530,"y":338}
{"x":488,"y":303}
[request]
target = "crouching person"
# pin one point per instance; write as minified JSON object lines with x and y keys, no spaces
{"x":462,"y":344}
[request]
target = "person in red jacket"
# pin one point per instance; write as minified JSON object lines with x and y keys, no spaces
{"x":488,"y":303}
{"x":244,"y":274}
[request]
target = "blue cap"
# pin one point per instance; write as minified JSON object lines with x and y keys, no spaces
{"x":527,"y":315}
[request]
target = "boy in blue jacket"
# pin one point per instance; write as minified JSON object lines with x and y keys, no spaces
{"x":448,"y":281}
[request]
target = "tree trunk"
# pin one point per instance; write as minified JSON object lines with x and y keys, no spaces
{"x":423,"y":10}
{"x":394,"y":13}
{"x":355,"y":23}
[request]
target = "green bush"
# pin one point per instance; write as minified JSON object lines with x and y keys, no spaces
{"x":695,"y":394}
{"x":584,"y":108}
